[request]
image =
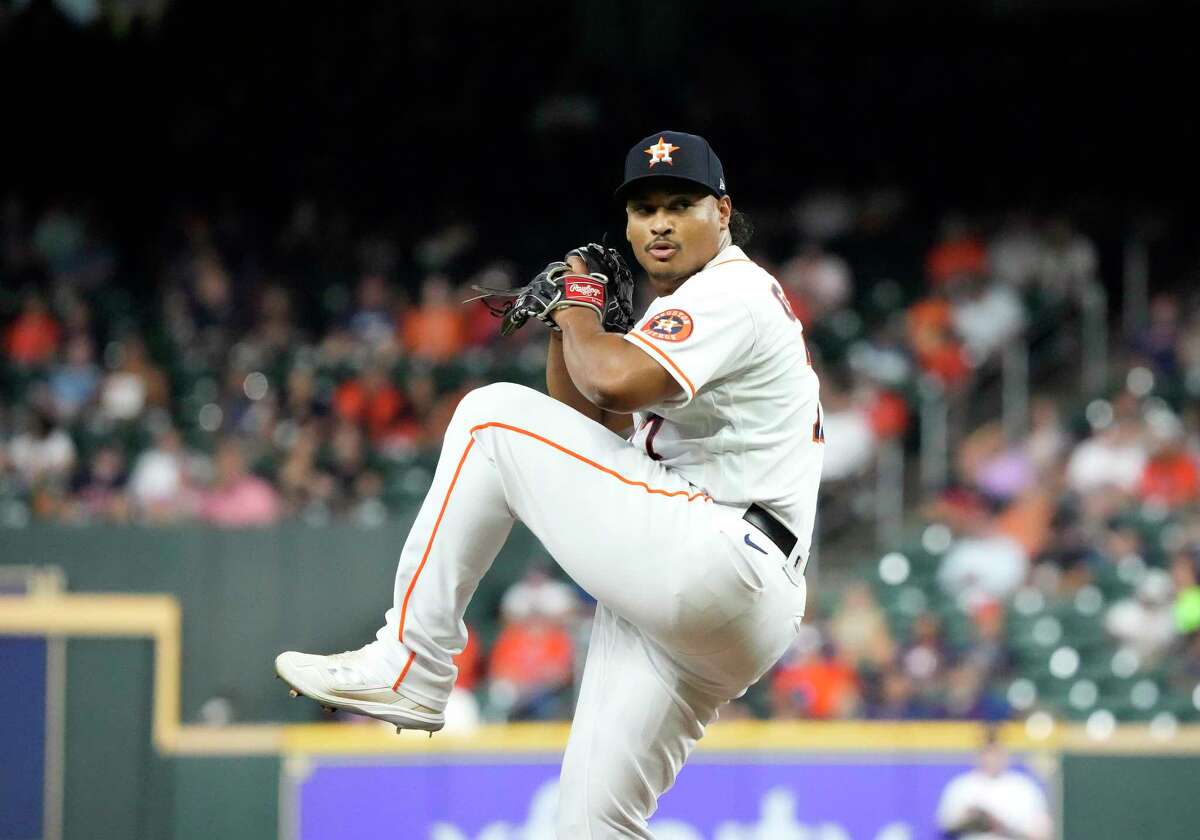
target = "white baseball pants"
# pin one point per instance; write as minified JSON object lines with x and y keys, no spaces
{"x":689,"y":614}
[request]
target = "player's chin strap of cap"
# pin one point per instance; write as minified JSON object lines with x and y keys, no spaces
{"x":777,"y":533}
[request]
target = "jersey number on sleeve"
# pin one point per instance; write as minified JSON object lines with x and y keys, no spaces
{"x":783,"y":301}
{"x":791,"y":314}
{"x":818,"y":427}
{"x":655,"y":423}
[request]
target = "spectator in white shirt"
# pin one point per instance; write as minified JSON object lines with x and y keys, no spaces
{"x":983,"y":565}
{"x":986,"y":315}
{"x":159,"y":484}
{"x":994,"y":802}
{"x":850,"y":441}
{"x":983,"y":568}
{"x":1114,"y":457}
{"x":1015,"y":254}
{"x":1146,"y":623}
{"x":1069,"y":261}
{"x":43,"y":452}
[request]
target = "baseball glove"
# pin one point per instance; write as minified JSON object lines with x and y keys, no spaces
{"x":607,"y":288}
{"x":608,"y":262}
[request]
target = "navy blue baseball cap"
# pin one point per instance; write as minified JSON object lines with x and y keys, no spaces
{"x":673,"y":155}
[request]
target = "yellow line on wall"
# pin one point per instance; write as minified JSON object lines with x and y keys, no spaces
{"x":735,"y":736}
{"x":146,"y":616}
{"x":157,"y":618}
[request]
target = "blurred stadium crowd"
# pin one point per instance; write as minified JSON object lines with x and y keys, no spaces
{"x":307,"y":370}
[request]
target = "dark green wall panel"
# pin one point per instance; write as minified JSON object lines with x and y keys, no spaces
{"x":114,"y":783}
{"x":230,"y":798}
{"x":116,"y":787}
{"x":1131,"y":797}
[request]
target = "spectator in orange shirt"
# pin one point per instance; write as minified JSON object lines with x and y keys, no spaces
{"x":32,"y":339}
{"x":888,"y":413}
{"x":469,"y":663}
{"x":814,"y":682}
{"x":435,"y":330}
{"x":958,"y":255}
{"x":531,"y":668}
{"x":532,"y":662}
{"x":371,"y":401}
{"x":462,"y":710}
{"x":931,"y":335}
{"x":1170,"y":476}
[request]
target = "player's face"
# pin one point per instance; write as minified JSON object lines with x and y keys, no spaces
{"x":674,"y":233}
{"x":993,"y":760}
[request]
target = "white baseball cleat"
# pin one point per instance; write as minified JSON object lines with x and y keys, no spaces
{"x":356,"y":682}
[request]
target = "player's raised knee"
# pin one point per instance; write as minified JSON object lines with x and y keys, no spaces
{"x":489,"y":401}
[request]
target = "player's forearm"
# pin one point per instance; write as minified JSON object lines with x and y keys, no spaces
{"x":598,"y":362}
{"x":560,"y":386}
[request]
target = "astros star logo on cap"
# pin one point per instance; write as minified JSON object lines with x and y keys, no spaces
{"x":661,"y":151}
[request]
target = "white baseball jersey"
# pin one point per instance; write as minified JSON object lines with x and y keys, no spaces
{"x":747,"y":427}
{"x":693,"y":604}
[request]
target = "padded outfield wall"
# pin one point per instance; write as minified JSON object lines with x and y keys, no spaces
{"x":124,"y":692}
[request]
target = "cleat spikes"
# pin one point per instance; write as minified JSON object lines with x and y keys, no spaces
{"x":294,"y":692}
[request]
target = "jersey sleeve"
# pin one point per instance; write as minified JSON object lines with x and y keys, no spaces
{"x":955,"y":802}
{"x":698,"y":336}
{"x":1030,"y":812}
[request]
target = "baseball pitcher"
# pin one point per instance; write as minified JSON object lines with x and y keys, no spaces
{"x":672,"y":472}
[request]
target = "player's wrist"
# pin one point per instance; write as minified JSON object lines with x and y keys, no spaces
{"x":581,"y":291}
{"x":585,"y":290}
{"x":576,"y":315}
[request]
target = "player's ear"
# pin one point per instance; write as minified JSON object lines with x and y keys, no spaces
{"x":725,"y":210}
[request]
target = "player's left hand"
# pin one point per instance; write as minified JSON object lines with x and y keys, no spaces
{"x":594,"y":259}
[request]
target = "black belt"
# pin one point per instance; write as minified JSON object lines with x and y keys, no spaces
{"x":775,"y":530}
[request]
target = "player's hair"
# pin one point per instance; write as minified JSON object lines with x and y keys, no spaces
{"x":741,"y":229}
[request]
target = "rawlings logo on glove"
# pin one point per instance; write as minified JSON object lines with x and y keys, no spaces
{"x":588,"y":291}
{"x":617,"y":304}
{"x":579,"y":291}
